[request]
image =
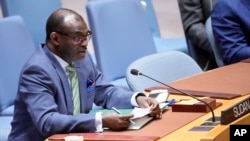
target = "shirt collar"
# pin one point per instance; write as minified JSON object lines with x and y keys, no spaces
{"x":63,"y":63}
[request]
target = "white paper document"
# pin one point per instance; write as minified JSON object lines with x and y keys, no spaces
{"x":140,"y":112}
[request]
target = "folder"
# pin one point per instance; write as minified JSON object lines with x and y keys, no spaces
{"x":139,"y":122}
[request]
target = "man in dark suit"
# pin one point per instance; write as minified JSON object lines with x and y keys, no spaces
{"x":194,"y":14}
{"x":45,"y":103}
{"x":231,"y":27}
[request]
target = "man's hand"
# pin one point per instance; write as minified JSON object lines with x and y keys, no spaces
{"x":145,"y":102}
{"x":116,"y":122}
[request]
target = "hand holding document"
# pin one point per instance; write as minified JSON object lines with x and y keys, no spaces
{"x":140,"y":118}
{"x":118,"y":112}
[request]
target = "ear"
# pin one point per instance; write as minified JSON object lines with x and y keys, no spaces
{"x":54,"y":38}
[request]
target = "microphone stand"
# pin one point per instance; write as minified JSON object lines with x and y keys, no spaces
{"x":210,"y":108}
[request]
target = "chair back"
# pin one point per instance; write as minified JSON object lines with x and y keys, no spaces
{"x":151,"y":17}
{"x":34,"y":13}
{"x":16,"y":46}
{"x":165,"y":67}
{"x":120,"y":35}
{"x":214,"y":45}
{"x":161,"y":43}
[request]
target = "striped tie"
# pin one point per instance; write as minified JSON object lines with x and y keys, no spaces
{"x":74,"y":88}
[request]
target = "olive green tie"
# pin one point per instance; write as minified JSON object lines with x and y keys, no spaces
{"x":74,"y":88}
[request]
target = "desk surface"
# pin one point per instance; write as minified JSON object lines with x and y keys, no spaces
{"x":231,"y":79}
{"x":219,"y":132}
{"x":226,"y":82}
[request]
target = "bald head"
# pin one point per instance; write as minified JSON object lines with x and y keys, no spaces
{"x":59,"y":18}
{"x":67,"y":35}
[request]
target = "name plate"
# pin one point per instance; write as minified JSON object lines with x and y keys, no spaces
{"x":236,"y":111}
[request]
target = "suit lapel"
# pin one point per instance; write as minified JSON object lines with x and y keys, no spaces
{"x":63,"y":80}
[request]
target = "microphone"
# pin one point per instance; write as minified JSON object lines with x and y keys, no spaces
{"x":136,"y":72}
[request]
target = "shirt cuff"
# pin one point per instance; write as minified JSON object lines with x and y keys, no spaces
{"x":98,"y":122}
{"x":133,"y":99}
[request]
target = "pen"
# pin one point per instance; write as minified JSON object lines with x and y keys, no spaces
{"x":118,"y":112}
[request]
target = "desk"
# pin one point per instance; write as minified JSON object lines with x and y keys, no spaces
{"x":219,"y":132}
{"x":226,"y":82}
{"x":231,"y":79}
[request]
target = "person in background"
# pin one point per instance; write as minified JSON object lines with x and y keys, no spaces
{"x":231,"y":28}
{"x":194,"y":14}
{"x":48,"y":101}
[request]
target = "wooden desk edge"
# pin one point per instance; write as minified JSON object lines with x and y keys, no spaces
{"x":103,"y":137}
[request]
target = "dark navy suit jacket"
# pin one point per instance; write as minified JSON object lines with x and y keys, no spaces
{"x":44,"y":106}
{"x":231,"y":27}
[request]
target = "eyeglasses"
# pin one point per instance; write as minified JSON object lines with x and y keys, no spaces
{"x":77,"y":39}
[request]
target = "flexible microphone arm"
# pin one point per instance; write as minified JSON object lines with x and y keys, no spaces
{"x":136,"y":72}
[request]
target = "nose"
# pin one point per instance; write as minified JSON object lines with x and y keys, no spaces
{"x":84,"y":43}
